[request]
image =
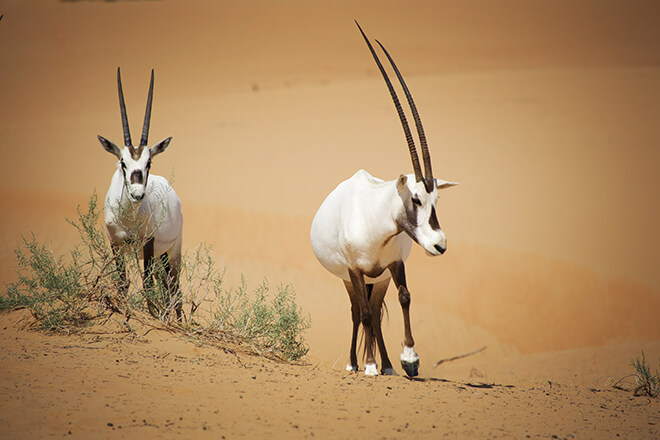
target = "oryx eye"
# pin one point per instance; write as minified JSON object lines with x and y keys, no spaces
{"x":416,"y":201}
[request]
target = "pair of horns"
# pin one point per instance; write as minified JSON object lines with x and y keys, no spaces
{"x":404,"y":122}
{"x":124,"y":116}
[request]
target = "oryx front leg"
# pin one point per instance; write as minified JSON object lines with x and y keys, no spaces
{"x":366,"y":317}
{"x":377,"y":297}
{"x":147,"y":276}
{"x":355,"y":316}
{"x":409,"y":359}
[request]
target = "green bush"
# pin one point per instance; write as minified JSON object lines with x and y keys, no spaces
{"x":53,"y":290}
{"x":67,"y":294}
{"x":646,"y":383}
{"x":272,"y":323}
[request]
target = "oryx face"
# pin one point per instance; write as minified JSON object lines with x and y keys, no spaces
{"x":135,"y":162}
{"x":135,"y":169}
{"x":418,"y":218}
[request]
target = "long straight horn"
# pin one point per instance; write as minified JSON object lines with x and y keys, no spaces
{"x":426,"y":157}
{"x":122,"y":108}
{"x":147,"y":113}
{"x":397,"y":104}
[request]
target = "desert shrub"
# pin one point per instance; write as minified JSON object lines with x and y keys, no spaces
{"x":66,"y":293}
{"x":53,"y":290}
{"x":63,"y":293}
{"x":646,"y":383}
{"x":272,"y":322}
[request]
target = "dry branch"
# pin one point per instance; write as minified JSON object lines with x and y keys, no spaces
{"x":460,"y":356}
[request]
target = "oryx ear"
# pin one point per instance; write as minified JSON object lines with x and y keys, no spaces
{"x":442,"y":184}
{"x":110,"y":147}
{"x":160,"y":146}
{"x":402,"y":181}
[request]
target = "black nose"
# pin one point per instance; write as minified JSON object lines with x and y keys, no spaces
{"x":440,"y":249}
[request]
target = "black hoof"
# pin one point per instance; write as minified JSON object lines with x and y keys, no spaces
{"x":411,"y":368}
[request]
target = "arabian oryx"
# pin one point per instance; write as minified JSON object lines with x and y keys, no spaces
{"x":143,"y":208}
{"x":363,"y":233}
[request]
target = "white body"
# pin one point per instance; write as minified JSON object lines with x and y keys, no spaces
{"x":356,"y":228}
{"x":143,"y":209}
{"x":158,"y":214}
{"x":363,"y":233}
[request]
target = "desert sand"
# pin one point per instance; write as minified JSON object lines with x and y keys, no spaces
{"x":547,"y":113}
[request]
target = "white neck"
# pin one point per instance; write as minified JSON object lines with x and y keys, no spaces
{"x":382,"y":210}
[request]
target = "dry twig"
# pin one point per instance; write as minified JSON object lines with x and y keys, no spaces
{"x":460,"y":356}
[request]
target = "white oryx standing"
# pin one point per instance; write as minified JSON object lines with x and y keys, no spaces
{"x":143,"y":208}
{"x":363,"y":233}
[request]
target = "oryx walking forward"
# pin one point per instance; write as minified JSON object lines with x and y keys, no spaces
{"x":363,"y":233}
{"x":143,"y":208}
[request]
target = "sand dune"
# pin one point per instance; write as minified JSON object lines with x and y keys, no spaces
{"x":546,"y":113}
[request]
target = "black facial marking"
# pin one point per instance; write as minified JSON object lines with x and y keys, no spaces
{"x":433,"y":220}
{"x":407,"y":219}
{"x":136,"y":177}
{"x":411,"y":211}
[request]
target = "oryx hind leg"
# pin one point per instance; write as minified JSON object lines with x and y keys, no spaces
{"x":355,"y":315}
{"x":409,"y":358}
{"x":361,"y":294}
{"x":170,"y":280}
{"x":377,"y":306}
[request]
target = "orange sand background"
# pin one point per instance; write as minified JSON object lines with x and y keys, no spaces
{"x":546,"y":112}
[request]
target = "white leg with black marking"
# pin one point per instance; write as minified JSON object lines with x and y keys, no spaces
{"x":410,"y":361}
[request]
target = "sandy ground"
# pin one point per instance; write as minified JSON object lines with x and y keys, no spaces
{"x":158,"y":386}
{"x":546,"y":114}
